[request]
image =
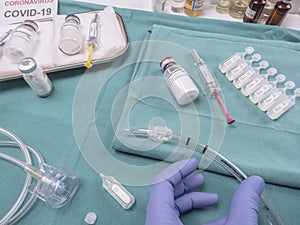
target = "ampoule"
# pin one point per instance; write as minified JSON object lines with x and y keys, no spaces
{"x":22,"y":41}
{"x":250,"y":74}
{"x":193,"y":7}
{"x":238,"y":8}
{"x":275,"y":96}
{"x":177,"y":6}
{"x":268,"y":86}
{"x":223,"y":6}
{"x":279,"y":12}
{"x":70,"y":40}
{"x":242,"y":67}
{"x":283,"y":105}
{"x":117,"y":191}
{"x":35,"y":77}
{"x":254,"y":10}
{"x":234,"y":60}
{"x":253,"y":85}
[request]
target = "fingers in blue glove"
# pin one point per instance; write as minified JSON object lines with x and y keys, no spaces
{"x":189,"y":183}
{"x":245,"y":202}
{"x":195,"y":200}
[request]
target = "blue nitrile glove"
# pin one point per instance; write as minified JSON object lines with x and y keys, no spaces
{"x":244,"y":204}
{"x":171,"y":194}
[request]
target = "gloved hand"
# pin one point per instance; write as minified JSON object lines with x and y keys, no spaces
{"x":244,"y":204}
{"x":171,"y":194}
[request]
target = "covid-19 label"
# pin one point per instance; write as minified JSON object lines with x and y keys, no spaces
{"x":15,"y":11}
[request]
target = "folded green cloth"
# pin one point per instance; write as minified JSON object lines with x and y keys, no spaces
{"x":255,"y":143}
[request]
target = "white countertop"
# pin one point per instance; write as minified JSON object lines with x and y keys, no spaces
{"x":292,"y":21}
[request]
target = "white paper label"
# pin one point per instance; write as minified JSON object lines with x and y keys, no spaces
{"x":16,"y":11}
{"x":250,"y":13}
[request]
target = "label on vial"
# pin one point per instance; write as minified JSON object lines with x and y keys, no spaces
{"x":281,"y":107}
{"x":197,"y":5}
{"x":238,"y":69}
{"x":250,"y":13}
{"x":253,"y":83}
{"x":121,"y":194}
{"x":93,"y":30}
{"x":175,"y":75}
{"x":250,"y":73}
{"x":273,"y":97}
{"x":264,"y":89}
{"x":231,"y":60}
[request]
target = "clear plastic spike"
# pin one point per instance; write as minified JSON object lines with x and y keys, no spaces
{"x":253,"y":85}
{"x":234,"y":60}
{"x":283,"y":105}
{"x":275,"y":96}
{"x":242,"y":67}
{"x":250,"y":74}
{"x":266,"y":88}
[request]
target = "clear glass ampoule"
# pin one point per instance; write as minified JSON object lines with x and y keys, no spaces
{"x":70,"y":40}
{"x":268,"y":86}
{"x":233,"y":60}
{"x":275,"y":96}
{"x":258,"y":81}
{"x":242,"y":67}
{"x":283,"y":105}
{"x":250,"y":74}
{"x":35,"y":77}
{"x":21,"y":42}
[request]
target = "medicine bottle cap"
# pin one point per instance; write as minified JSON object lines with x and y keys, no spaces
{"x":27,"y":65}
{"x":72,"y":18}
{"x":165,"y":62}
{"x":31,"y":24}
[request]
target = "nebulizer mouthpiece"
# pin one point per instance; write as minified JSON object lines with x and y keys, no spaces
{"x":56,"y":187}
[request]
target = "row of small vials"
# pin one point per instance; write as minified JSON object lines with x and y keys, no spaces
{"x":257,"y":86}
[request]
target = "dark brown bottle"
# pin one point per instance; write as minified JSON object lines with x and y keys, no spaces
{"x":279,"y":12}
{"x":254,"y":10}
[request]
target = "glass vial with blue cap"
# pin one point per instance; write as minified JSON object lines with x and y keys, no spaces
{"x":35,"y":77}
{"x":179,"y":81}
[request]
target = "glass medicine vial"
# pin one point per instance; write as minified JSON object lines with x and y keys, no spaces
{"x":193,"y":8}
{"x":70,"y":40}
{"x":179,"y":82}
{"x":279,"y":12}
{"x":254,"y":10}
{"x":21,"y":42}
{"x":177,"y":6}
{"x":35,"y":77}
{"x":223,"y":6}
{"x":238,"y":8}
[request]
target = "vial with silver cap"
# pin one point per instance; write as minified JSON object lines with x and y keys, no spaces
{"x":35,"y":77}
{"x":21,"y":42}
{"x":179,"y":82}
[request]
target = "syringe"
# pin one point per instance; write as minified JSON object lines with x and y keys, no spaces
{"x":212,"y":88}
{"x":92,"y":39}
{"x":4,"y":38}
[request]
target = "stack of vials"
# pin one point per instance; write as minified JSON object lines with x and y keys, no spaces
{"x":260,"y":89}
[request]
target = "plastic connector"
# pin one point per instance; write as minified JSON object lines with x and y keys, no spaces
{"x":56,"y":187}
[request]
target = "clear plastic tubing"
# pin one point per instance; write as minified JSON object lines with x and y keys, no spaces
{"x":242,"y":67}
{"x":268,"y":86}
{"x":275,"y":96}
{"x":179,"y":81}
{"x":283,"y":105}
{"x":254,"y":84}
{"x":249,"y":74}
{"x":70,"y":41}
{"x":234,"y":60}
{"x":21,"y":42}
{"x":35,"y":77}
